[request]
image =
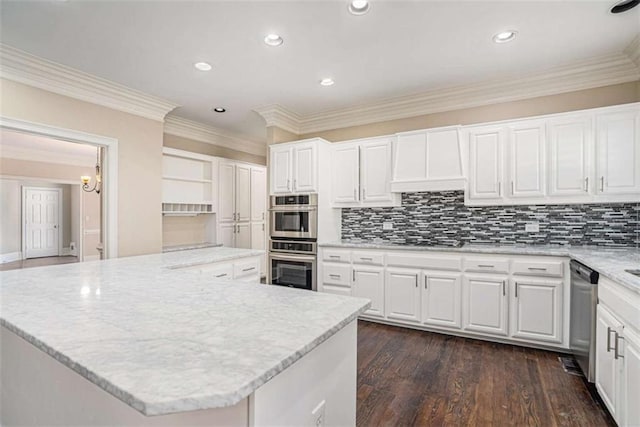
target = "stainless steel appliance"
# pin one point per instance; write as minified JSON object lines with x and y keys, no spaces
{"x":584,"y":298}
{"x":293,"y":263}
{"x":294,"y":217}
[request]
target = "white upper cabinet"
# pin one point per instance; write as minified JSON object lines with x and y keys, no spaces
{"x":570,"y":142}
{"x":485,"y":163}
{"x":526,"y":144}
{"x":345,"y":173}
{"x":258,"y":194}
{"x":428,"y":160}
{"x":361,"y":173}
{"x":618,"y":152}
{"x":227,"y":211}
{"x":243,"y":193}
{"x":294,"y":167}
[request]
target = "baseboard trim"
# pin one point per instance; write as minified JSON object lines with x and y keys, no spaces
{"x":10,"y":257}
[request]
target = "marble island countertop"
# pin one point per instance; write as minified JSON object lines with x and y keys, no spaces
{"x":165,"y":340}
{"x":610,"y":262}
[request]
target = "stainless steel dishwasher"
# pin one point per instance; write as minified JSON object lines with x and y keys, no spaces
{"x":584,"y":298}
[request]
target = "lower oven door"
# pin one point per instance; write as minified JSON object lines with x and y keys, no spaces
{"x":294,"y":271}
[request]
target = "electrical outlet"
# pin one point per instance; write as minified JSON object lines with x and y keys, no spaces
{"x":387,"y":226}
{"x":532,"y":227}
{"x":318,"y":415}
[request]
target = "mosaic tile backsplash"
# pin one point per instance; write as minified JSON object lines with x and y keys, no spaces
{"x":441,"y":218}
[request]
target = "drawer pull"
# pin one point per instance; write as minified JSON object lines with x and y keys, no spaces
{"x":221,"y":275}
{"x":538,"y":268}
{"x":366,"y":258}
{"x":335,"y":276}
{"x":334,"y":256}
{"x":486,"y":265}
{"x":248,"y":269}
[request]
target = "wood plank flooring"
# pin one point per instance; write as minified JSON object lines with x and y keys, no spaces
{"x":38,"y":262}
{"x":408,"y":377}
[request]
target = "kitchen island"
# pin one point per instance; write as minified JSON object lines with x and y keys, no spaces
{"x":145,"y":340}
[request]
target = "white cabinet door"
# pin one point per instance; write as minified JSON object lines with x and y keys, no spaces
{"x":281,"y":169}
{"x":402,"y":295}
{"x":607,"y":367}
{"x":345,"y":173}
{"x":570,"y":148}
{"x":526,"y":159}
{"x":485,"y":163}
{"x":259,"y":241}
{"x":536,"y":310}
{"x":375,"y":171}
{"x":485,"y":304}
{"x":368,"y":282}
{"x":243,"y":193}
{"x":258,"y":194}
{"x":618,"y":148}
{"x":243,"y":235}
{"x":411,"y":155}
{"x":630,"y":411}
{"x":227,"y":234}
{"x":441,"y":299}
{"x":304,"y":168}
{"x":226,"y":193}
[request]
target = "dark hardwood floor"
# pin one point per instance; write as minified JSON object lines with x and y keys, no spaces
{"x":408,"y":377}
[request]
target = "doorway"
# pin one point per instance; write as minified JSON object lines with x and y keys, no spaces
{"x":42,"y":225}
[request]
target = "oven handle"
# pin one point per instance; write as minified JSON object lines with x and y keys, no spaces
{"x":294,"y":209}
{"x":293,"y":257}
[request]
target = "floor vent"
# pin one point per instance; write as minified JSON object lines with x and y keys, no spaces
{"x":570,"y":365}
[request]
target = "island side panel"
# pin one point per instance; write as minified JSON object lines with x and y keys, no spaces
{"x":327,"y":373}
{"x":36,"y":389}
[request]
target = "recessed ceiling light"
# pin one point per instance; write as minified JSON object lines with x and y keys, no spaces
{"x":273,"y":40}
{"x":359,"y":7}
{"x":219,"y":110}
{"x":327,"y":82}
{"x":624,"y":5}
{"x":505,"y":36}
{"x":202,"y":66}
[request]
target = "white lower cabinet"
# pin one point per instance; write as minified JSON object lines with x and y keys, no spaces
{"x":536,"y":309}
{"x":608,"y":370}
{"x":368,"y":282}
{"x":630,"y":409}
{"x":242,"y":270}
{"x":485,"y":304}
{"x":402,"y":295}
{"x":441,"y":296}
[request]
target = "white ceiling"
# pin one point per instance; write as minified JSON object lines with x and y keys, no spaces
{"x":398,"y":48}
{"x":23,"y":146}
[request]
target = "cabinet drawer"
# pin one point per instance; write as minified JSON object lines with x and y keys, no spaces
{"x":428,"y":262}
{"x":538,"y":268}
{"x":220,"y":271}
{"x":336,"y":256}
{"x":371,"y":258}
{"x":487,"y":265}
{"x":338,"y":275}
{"x":246,"y":268}
{"x":336,"y":290}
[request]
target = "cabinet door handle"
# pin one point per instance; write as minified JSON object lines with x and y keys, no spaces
{"x":513,"y":188}
{"x":238,"y":229}
{"x":426,"y":278}
{"x":616,"y":353}
{"x":499,"y":188}
{"x":416,"y":280}
{"x":516,"y":289}
{"x":504,"y":287}
{"x":295,"y":183}
{"x":221,"y":275}
{"x":355,"y":195}
{"x":288,"y":182}
{"x":602,"y":184}
{"x":248,"y":269}
{"x":586,"y":185}
{"x":364,"y":196}
{"x":354,"y":275}
{"x":609,"y":330}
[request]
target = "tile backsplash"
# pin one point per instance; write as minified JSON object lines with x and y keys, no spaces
{"x":441,"y":218}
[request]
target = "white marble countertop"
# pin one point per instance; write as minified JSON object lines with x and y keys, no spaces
{"x":165,"y":340}
{"x":173,"y":248}
{"x":609,"y":262}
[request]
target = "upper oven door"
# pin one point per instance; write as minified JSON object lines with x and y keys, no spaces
{"x":294,"y":223}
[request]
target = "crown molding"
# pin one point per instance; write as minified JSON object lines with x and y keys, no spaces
{"x":185,"y":128}
{"x":34,"y":71}
{"x":633,"y":50}
{"x":595,"y":72}
{"x":277,"y":115}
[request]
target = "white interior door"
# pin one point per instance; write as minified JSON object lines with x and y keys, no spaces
{"x":41,"y":222}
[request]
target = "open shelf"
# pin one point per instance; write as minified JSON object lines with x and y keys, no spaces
{"x":187,"y":209}
{"x":185,"y":179}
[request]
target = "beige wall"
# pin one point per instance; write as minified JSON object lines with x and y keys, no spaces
{"x":139,"y":156}
{"x":590,"y":98}
{"x":181,"y":143}
{"x":184,"y":230}
{"x":276,"y":135}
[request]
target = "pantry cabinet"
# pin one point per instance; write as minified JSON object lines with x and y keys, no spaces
{"x":294,"y":167}
{"x":536,"y":309}
{"x":441,"y":296}
{"x":485,"y":304}
{"x":361,"y":173}
{"x":402,"y":295}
